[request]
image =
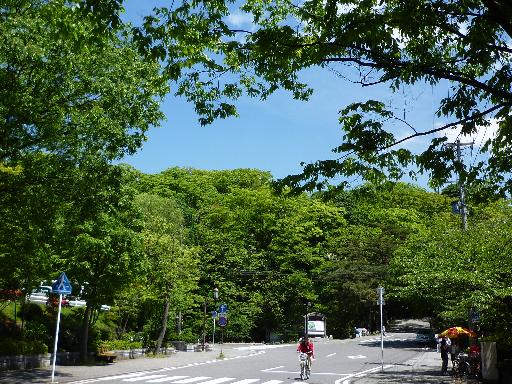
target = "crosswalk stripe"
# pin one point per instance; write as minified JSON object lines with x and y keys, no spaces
{"x":168,"y":378}
{"x":192,"y":380}
{"x":140,"y":378}
{"x":272,"y":382}
{"x":136,"y":374}
{"x":218,"y":381}
{"x":246,"y":381}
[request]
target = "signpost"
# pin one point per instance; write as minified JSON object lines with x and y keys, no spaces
{"x":380,"y":302}
{"x":61,"y":287}
{"x":223,"y":321}
{"x":214,"y":316}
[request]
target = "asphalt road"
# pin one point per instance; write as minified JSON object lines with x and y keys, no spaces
{"x":337,"y":362}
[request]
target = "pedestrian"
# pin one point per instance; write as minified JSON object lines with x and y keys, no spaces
{"x":454,"y":350}
{"x":444,"y":347}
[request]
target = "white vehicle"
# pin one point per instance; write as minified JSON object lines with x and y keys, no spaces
{"x":40,"y":295}
{"x":77,"y":303}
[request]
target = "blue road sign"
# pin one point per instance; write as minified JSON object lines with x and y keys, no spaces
{"x":223,"y":320}
{"x":223,"y":308}
{"x":62,"y":285}
{"x":214,"y":314}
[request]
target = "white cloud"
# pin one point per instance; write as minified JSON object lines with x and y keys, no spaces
{"x":240,"y":19}
{"x":480,"y":137}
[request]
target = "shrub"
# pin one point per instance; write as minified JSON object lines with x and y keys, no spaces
{"x":119,"y":344}
{"x":12,"y":347}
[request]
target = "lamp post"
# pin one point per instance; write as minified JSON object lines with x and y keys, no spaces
{"x":308,"y":304}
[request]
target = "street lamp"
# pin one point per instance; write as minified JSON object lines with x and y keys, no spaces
{"x":308,"y":305}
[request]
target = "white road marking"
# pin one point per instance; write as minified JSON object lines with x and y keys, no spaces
{"x":193,"y":379}
{"x":263,"y":346}
{"x":272,"y":382}
{"x":271,"y":369}
{"x":219,"y":380}
{"x":346,"y":379}
{"x":140,"y":378}
{"x":135,"y":374}
{"x":275,"y":370}
{"x":357,"y":357}
{"x":246,"y":381}
{"x":331,"y":354}
{"x":168,"y":378}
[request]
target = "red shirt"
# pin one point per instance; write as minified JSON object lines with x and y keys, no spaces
{"x":309,"y":349}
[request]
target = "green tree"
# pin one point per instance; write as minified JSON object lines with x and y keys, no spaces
{"x":171,"y":265}
{"x":30,"y":204}
{"x":70,"y":85}
{"x":99,"y":241}
{"x":444,"y":273}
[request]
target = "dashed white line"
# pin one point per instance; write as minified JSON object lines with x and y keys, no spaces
{"x":272,"y":369}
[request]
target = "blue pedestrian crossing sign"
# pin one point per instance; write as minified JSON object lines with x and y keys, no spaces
{"x":223,"y":308}
{"x":62,"y":285}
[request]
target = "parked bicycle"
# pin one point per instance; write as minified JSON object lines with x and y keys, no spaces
{"x":465,"y":365}
{"x":305,"y":366}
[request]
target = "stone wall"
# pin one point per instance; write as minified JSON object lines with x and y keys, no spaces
{"x":25,"y":362}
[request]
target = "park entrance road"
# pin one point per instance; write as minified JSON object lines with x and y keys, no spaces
{"x":337,"y":362}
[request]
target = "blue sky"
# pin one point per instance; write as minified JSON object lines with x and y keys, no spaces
{"x":274,"y":135}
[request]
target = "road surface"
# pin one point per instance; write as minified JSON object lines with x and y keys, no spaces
{"x":337,"y":362}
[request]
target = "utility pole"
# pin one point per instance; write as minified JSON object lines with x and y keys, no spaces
{"x":462,"y":195}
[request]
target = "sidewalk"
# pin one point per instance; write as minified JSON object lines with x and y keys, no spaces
{"x":424,"y":370}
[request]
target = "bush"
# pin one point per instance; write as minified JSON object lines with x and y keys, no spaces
{"x":186,"y":336}
{"x":119,"y":345}
{"x":31,"y":311}
{"x":11,"y":347}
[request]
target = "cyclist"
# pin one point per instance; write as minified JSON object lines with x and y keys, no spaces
{"x":306,"y":346}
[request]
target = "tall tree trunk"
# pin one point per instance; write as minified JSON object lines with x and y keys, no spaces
{"x":163,"y":326}
{"x":84,"y":338}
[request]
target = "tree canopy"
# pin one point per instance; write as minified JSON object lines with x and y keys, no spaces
{"x":70,"y":85}
{"x":465,"y":44}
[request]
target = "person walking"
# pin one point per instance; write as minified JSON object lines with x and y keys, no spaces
{"x":444,"y":347}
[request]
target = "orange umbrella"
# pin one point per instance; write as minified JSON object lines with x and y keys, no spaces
{"x":457,"y":331}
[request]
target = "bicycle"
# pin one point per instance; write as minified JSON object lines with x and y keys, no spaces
{"x":467,"y":366}
{"x":305,"y":366}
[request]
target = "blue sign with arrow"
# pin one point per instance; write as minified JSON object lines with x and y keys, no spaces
{"x":223,"y":308}
{"x":62,"y":285}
